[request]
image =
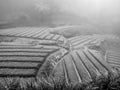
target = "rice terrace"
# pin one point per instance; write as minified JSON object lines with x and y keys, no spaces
{"x":59,"y":45}
{"x":35,"y":52}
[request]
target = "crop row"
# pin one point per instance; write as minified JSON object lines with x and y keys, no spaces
{"x":81,"y":66}
{"x":35,"y":33}
{"x":113,"y":58}
{"x":19,"y":61}
{"x":80,"y":41}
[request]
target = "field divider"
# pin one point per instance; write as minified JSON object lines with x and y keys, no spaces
{"x":40,"y":52}
{"x":83,"y":72}
{"x":114,"y":59}
{"x":32,"y":61}
{"x":88,"y":67}
{"x":103,"y":63}
{"x":22,"y":55}
{"x":76,"y":70}
{"x":38,"y":32}
{"x":18,"y":75}
{"x":67,"y":78}
{"x":37,"y":38}
{"x":83,"y":42}
{"x":98,"y":70}
{"x":44,"y":60}
{"x":116,"y":63}
{"x":20,"y":67}
{"x":79,"y":39}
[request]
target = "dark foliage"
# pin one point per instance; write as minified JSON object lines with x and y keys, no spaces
{"x":109,"y":82}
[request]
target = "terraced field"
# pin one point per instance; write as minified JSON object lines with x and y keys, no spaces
{"x":113,"y":58}
{"x":23,"y":51}
{"x":82,"y":66}
{"x":28,"y":32}
{"x":23,"y":61}
{"x":27,"y":52}
{"x":81,"y":41}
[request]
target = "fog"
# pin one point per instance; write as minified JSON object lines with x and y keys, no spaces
{"x":104,"y":14}
{"x":81,"y":7}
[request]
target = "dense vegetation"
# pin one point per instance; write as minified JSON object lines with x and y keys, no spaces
{"x":110,"y":82}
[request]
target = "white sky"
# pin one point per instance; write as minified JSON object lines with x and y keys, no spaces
{"x":91,"y":7}
{"x":81,"y":7}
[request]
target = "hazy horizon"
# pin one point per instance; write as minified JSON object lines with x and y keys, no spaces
{"x":76,"y":6}
{"x":105,"y":13}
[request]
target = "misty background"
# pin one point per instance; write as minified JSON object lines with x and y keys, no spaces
{"x":103,"y":15}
